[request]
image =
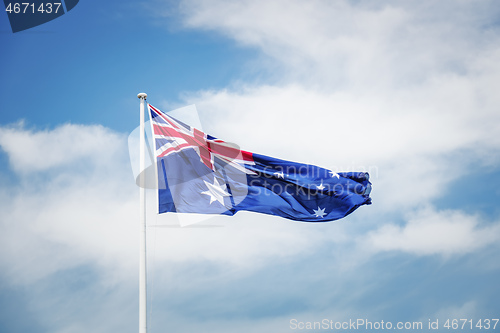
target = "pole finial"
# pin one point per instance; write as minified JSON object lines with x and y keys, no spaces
{"x":142,"y":95}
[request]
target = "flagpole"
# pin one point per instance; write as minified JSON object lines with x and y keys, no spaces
{"x":142,"y":226}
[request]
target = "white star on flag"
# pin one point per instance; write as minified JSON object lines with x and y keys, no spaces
{"x":320,"y":212}
{"x":334,"y":174}
{"x":216,"y":191}
{"x":279,"y":174}
{"x":320,"y":187}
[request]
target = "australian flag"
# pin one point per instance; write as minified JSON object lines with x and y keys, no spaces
{"x":198,"y":173}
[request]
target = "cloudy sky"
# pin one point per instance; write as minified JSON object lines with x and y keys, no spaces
{"x":407,"y":90}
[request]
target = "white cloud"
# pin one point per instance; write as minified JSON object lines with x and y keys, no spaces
{"x":31,"y":151}
{"x":72,"y":205}
{"x":355,"y":43}
{"x":430,"y":232}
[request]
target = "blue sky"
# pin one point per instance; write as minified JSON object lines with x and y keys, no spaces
{"x":405,"y":90}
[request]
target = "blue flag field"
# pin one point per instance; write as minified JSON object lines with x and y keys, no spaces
{"x":198,"y":173}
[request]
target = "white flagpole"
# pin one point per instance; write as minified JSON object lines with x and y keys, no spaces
{"x":142,"y":242}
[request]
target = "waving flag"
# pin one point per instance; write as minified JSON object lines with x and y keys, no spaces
{"x":198,"y":173}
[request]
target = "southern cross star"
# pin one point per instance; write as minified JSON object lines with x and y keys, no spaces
{"x":216,"y":191}
{"x":320,"y":212}
{"x":334,"y":174}
{"x":279,"y":174}
{"x":320,"y":187}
